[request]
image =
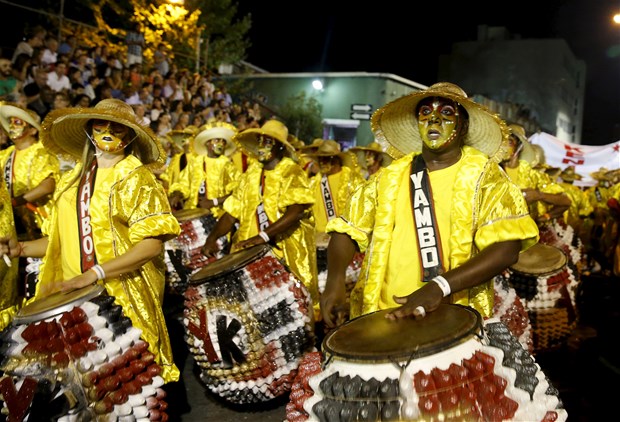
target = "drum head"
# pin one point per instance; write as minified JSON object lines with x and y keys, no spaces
{"x":540,"y":259}
{"x":56,"y":304}
{"x":184,"y":215}
{"x":375,"y":338}
{"x":229,"y":263}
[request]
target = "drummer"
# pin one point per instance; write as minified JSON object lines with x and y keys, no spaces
{"x":272,"y":204}
{"x":472,"y":222}
{"x":112,"y":202}
{"x":210,"y":175}
{"x":371,"y":159}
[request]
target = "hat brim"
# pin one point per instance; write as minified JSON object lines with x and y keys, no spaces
{"x":346,"y":157}
{"x":9,"y":110}
{"x":397,"y":124}
{"x":360,"y":153}
{"x":64,"y":133}
{"x":248,"y":141}
{"x":200,"y":141}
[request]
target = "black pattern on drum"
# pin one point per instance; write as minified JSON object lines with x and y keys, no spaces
{"x":76,"y":356}
{"x":488,"y":378}
{"x":182,"y":254}
{"x":248,"y":329}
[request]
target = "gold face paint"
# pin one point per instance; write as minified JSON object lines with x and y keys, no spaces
{"x":216,"y":146}
{"x":17,"y":127}
{"x":438,"y":120}
{"x":109,"y":136}
{"x":265,"y":148}
{"x":371,"y":158}
{"x":325,"y":165}
{"x":513,"y":147}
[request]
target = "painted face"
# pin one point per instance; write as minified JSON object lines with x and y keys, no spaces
{"x":325,"y":165}
{"x":371,"y":158}
{"x":17,"y":128}
{"x":265,"y":148}
{"x":109,"y":136}
{"x":438,"y":120}
{"x":513,"y":147}
{"x":216,"y":145}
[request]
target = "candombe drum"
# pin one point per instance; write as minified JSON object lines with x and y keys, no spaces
{"x":182,"y":254}
{"x":449,"y":365}
{"x":248,"y":322}
{"x":353,"y":270}
{"x":547,"y":286}
{"x":74,"y":356}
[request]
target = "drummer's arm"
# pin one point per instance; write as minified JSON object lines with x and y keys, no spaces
{"x":31,"y":248}
{"x":292,"y":216}
{"x":340,"y":252}
{"x":481,"y":268}
{"x":222,"y":227}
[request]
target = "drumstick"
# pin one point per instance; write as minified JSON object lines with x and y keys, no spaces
{"x":7,"y":260}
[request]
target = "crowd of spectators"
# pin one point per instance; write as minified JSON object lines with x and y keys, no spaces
{"x":43,"y":73}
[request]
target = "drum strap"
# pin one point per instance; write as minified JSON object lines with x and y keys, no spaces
{"x":328,"y":201}
{"x":85,"y":192}
{"x":8,"y":173}
{"x":261,"y":216}
{"x":202,"y":191}
{"x":425,"y":221}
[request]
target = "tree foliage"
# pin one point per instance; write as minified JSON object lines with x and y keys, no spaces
{"x":302,"y":116}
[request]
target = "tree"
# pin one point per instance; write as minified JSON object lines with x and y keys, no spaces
{"x":302,"y":116}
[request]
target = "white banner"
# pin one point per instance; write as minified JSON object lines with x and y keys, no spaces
{"x":586,"y":158}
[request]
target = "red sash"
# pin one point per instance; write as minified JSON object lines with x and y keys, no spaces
{"x":85,"y":192}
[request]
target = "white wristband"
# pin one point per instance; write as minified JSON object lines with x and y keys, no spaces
{"x":215,"y":202}
{"x":99,"y":271}
{"x":264,"y":235}
{"x":443,"y":285}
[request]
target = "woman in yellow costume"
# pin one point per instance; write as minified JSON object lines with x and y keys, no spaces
{"x":110,"y":217}
{"x":9,"y":298}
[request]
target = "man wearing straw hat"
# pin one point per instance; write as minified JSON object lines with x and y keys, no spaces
{"x":438,"y":223}
{"x":272,"y":204}
{"x":110,"y":218}
{"x":210,"y":175}
{"x":181,"y":153}
{"x":30,"y":170}
{"x":371,"y":159}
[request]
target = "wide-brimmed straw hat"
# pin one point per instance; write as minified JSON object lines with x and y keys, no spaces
{"x":396,"y":122}
{"x":181,"y":136}
{"x":295,"y":141}
{"x":331,"y":148}
{"x":214,"y":130}
{"x":601,"y":175}
{"x":307,"y":149}
{"x":569,"y":174}
{"x":360,"y":152}
{"x":64,"y":130}
{"x":8,"y":110}
{"x":248,"y":139}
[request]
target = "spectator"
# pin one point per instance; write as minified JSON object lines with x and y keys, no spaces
{"x":34,"y":38}
{"x":8,"y":83}
{"x":135,"y":44}
{"x":160,"y":57}
{"x":50,"y":52}
{"x":57,"y":78}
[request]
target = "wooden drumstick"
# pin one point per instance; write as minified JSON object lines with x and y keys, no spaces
{"x":7,"y":260}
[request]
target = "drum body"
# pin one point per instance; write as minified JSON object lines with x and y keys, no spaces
{"x":182,"y":254}
{"x":446,"y":366}
{"x":353,"y":270}
{"x":75,"y":356}
{"x":248,"y":323}
{"x":547,"y":286}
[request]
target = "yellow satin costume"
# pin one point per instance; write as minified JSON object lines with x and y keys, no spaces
{"x":342,"y":185}
{"x":128,"y":205}
{"x":285,"y":185}
{"x":10,"y":303}
{"x":485,"y":208}
{"x":30,"y":167}
{"x":173,"y":169}
{"x":221,"y":176}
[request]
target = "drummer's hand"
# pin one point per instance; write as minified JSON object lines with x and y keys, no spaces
{"x":210,"y":248}
{"x":9,"y":246}
{"x":85,"y":279}
{"x":248,"y":243}
{"x":205,"y":203}
{"x":334,"y":309}
{"x":176,"y":201}
{"x":428,"y":297}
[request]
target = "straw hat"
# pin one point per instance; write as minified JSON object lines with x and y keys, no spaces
{"x":360,"y":152}
{"x":330,"y":148}
{"x":64,"y":130}
{"x":214,"y":130}
{"x":553,"y":172}
{"x":180,"y":137}
{"x":295,"y":141}
{"x":307,"y":149}
{"x":602,"y":175}
{"x":248,"y":139}
{"x":527,"y":151}
{"x":396,"y":122}
{"x":8,"y":110}
{"x":569,"y":175}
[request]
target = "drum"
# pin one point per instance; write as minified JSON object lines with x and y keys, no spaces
{"x":449,"y":365}
{"x":547,"y":286}
{"x":248,"y":322}
{"x":75,"y":356}
{"x":182,"y":254}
